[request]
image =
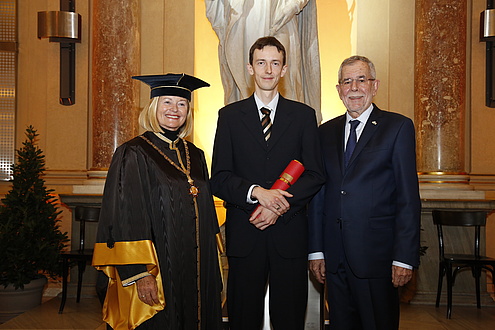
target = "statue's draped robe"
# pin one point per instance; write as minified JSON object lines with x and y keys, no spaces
{"x":238,"y":23}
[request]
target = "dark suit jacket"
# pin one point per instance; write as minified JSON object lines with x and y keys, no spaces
{"x":242,"y":158}
{"x":375,"y":200}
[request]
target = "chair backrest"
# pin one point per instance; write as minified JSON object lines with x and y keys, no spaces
{"x":85,"y":214}
{"x":461,"y":218}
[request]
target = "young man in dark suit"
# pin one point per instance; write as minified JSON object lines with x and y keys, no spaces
{"x":250,"y":152}
{"x":365,"y":221}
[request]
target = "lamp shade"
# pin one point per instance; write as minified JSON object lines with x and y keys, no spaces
{"x":487,"y":22}
{"x":59,"y":26}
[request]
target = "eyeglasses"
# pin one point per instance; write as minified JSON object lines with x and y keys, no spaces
{"x":359,"y":81}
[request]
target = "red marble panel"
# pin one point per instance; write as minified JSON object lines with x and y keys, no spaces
{"x":115,"y":58}
{"x":440,"y":85}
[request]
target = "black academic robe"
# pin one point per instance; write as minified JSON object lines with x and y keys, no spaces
{"x":147,"y":198}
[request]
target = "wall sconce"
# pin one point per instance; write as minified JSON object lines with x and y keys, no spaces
{"x":487,"y":25}
{"x":64,"y":27}
{"x":487,"y":34}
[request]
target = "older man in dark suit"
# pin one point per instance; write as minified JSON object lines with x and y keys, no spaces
{"x":256,"y":139}
{"x":365,"y":221}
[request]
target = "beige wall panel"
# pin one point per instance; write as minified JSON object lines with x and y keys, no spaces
{"x":179,"y":36}
{"x":207,"y":101}
{"x":373,"y":41}
{"x":32,"y":85}
{"x":152,"y":43}
{"x":167,"y":39}
{"x":385,"y":34}
{"x":401,"y":61}
{"x":62,"y":129}
{"x":335,"y":20}
{"x":482,"y":117}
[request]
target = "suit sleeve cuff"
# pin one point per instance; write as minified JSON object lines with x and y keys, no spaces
{"x":400,"y":264}
{"x":250,"y":191}
{"x":133,"y":279}
{"x":316,"y":256}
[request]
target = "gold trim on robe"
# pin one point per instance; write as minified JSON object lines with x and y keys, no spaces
{"x":122,"y":308}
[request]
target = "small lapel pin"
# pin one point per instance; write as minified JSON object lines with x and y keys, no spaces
{"x":373,"y":122}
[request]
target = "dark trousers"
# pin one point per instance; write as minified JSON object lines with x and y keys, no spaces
{"x":361,"y":304}
{"x":247,"y":280}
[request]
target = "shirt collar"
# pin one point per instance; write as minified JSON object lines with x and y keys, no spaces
{"x":363,"y":118}
{"x":272,"y":105}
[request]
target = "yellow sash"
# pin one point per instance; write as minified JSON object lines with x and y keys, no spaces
{"x":122,"y":308}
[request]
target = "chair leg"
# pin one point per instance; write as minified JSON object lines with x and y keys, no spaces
{"x":492,"y":270}
{"x":441,"y":273}
{"x":65,"y":270}
{"x":449,"y":291}
{"x":477,"y":275}
{"x":81,"y":267}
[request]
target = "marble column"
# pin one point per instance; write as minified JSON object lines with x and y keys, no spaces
{"x":440,"y":90}
{"x":115,"y":96}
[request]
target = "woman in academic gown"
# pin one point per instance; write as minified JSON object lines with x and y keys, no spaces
{"x":158,"y":221}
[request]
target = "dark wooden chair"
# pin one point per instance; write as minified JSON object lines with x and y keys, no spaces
{"x":451,"y":264}
{"x":82,"y":255}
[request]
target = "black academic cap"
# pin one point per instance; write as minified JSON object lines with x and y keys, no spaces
{"x":172,"y":84}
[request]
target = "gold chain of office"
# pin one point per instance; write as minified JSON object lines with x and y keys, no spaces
{"x":193,"y":190}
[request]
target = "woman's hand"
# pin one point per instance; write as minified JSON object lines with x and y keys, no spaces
{"x":147,"y":290}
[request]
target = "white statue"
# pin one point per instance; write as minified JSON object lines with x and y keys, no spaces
{"x":239,"y":23}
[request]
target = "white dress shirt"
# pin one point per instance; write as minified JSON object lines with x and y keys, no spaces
{"x":272,"y":105}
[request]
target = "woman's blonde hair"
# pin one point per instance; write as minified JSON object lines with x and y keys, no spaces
{"x":149,"y":122}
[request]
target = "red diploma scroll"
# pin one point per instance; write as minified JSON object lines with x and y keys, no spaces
{"x":288,"y":177}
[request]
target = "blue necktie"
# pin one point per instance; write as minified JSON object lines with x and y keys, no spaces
{"x":351,"y":142}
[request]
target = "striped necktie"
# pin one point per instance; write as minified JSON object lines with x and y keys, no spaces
{"x":266,"y":123}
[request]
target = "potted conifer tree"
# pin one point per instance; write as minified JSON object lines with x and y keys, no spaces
{"x":30,"y":236}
